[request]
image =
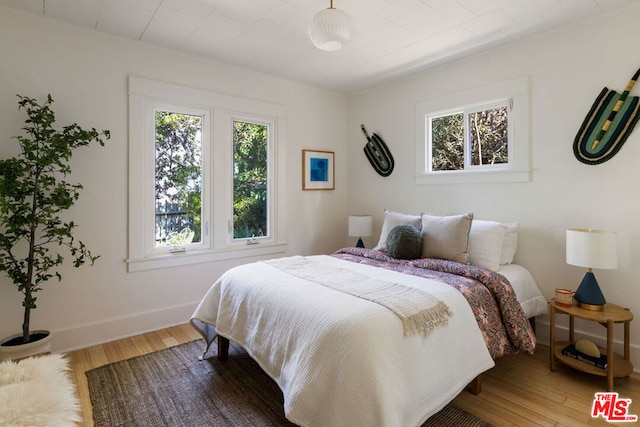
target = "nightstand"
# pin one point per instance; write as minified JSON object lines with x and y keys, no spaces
{"x":617,"y":365}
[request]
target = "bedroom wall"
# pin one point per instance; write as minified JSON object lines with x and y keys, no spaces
{"x":567,"y":69}
{"x":86,"y":73}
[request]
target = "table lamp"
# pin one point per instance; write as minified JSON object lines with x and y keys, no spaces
{"x":591,"y":249}
{"x":360,"y":226}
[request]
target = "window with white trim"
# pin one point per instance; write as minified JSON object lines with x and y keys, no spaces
{"x":250,"y":178}
{"x":203,"y":176}
{"x":480,"y":135}
{"x":181,"y":157}
{"x":476,"y":136}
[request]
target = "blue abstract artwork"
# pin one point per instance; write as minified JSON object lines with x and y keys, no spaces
{"x":319,"y":169}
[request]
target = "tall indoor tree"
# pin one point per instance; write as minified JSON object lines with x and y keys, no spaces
{"x":34,"y":194}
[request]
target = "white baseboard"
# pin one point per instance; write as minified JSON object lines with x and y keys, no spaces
{"x":562,"y":333}
{"x":89,"y":334}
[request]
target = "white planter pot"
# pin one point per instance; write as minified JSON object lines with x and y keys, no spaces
{"x":11,"y":352}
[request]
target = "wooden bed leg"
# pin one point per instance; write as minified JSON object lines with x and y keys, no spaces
{"x":223,"y":348}
{"x":476,"y":385}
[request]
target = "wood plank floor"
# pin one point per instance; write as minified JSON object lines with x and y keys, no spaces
{"x":519,"y":391}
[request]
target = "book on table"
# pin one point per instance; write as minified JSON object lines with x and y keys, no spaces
{"x":570,"y":351}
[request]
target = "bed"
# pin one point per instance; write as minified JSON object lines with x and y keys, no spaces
{"x":391,"y":348}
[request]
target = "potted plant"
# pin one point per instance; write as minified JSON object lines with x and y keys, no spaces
{"x":33,"y":196}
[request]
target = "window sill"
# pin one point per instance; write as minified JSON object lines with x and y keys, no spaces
{"x":198,"y":257}
{"x":478,"y":177}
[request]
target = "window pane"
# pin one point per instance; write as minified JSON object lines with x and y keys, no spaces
{"x":178,"y":178}
{"x":488,"y":137}
{"x":447,"y":143}
{"x":250,"y":148}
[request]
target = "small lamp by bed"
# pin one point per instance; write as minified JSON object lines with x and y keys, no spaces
{"x":360,"y":226}
{"x":591,"y":249}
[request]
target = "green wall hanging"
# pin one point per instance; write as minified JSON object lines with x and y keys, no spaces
{"x":378,"y":154}
{"x":607,"y":125}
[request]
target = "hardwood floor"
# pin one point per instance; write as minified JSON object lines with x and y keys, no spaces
{"x":519,"y":391}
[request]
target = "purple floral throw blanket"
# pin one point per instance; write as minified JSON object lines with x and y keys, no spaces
{"x":500,"y":317}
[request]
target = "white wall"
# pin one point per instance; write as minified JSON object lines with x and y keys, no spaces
{"x":567,"y":70}
{"x":86,"y":73}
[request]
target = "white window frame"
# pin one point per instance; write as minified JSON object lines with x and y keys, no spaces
{"x":272,"y":136}
{"x":515,"y":93}
{"x":466,"y":111}
{"x":149,"y":194}
{"x":219,"y":111}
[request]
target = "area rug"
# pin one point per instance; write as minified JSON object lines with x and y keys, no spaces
{"x":38,"y":391}
{"x":173,"y":388}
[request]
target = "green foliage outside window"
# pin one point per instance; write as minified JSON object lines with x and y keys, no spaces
{"x":250,"y":145}
{"x":447,"y":135}
{"x":178,"y":175}
{"x":487,"y":136}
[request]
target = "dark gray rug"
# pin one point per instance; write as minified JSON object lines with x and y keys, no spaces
{"x":173,"y":388}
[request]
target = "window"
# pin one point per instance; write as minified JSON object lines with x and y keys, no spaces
{"x":178,"y":179}
{"x":250,"y":177}
{"x":203,"y":176}
{"x":477,"y":136}
{"x":481,"y":135}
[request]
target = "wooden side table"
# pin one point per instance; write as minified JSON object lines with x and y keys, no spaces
{"x":617,"y":365}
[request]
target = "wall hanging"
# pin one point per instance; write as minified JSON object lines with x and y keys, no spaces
{"x":378,"y":154}
{"x":607,"y":125}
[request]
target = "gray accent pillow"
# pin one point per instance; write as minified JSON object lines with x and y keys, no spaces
{"x":391,"y":219}
{"x":404,"y":242}
{"x":446,"y":237}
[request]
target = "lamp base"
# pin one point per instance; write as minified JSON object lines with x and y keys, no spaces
{"x":360,"y":243}
{"x":592,"y":307}
{"x":589,"y":295}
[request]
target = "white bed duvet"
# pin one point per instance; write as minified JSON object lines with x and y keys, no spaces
{"x":341,"y":360}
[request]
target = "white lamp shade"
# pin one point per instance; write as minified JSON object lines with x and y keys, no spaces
{"x":592,"y":248}
{"x":331,"y":29}
{"x":360,"y":225}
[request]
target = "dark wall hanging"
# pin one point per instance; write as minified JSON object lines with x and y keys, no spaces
{"x":608,"y":125}
{"x":378,"y":154}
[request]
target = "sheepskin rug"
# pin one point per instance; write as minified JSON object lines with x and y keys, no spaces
{"x":38,"y":392}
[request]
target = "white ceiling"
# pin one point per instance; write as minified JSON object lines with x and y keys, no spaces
{"x":394,"y":37}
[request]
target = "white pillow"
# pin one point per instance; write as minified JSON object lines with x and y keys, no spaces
{"x":510,"y":243}
{"x":485,"y":243}
{"x":446,"y":237}
{"x":392,"y":219}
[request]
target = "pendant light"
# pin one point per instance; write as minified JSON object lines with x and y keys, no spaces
{"x":331,"y":29}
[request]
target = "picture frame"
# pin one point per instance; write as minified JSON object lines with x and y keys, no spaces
{"x":318,"y":170}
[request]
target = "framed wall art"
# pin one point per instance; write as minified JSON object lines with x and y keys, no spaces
{"x":318,"y":172}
